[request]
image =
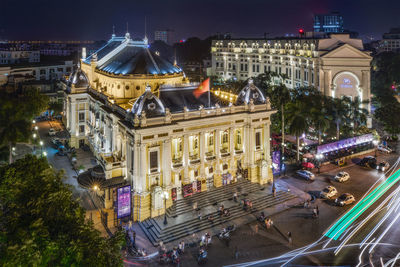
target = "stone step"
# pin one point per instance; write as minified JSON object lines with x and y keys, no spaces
{"x":256,"y":202}
{"x":209,"y":198}
{"x":172,"y":233}
{"x":170,"y":237}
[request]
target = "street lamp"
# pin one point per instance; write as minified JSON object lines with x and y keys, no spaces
{"x":33,"y":121}
{"x":375,"y":143}
{"x":165,"y":197}
{"x":41,"y":147}
{"x":45,"y":153}
{"x":36,"y":128}
{"x":319,"y":158}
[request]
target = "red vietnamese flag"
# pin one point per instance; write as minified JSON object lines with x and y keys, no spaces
{"x":204,"y":87}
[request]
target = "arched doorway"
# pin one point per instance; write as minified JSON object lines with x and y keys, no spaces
{"x":346,"y":83}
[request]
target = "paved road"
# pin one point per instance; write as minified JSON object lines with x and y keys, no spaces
{"x":62,"y":162}
{"x":305,"y":229}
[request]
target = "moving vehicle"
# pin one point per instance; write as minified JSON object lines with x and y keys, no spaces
{"x":56,"y":143}
{"x":384,"y":149}
{"x":342,"y":177}
{"x":345,"y":199}
{"x":328,"y":192}
{"x":383,"y":166}
{"x":368,"y":161}
{"x":306,"y":174}
{"x":52,"y":132}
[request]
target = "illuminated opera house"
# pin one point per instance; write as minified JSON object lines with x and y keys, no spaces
{"x":147,"y":128}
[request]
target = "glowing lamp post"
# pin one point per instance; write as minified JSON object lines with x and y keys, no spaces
{"x":165,"y":197}
{"x":41,"y":147}
{"x":375,"y":143}
{"x":319,"y":158}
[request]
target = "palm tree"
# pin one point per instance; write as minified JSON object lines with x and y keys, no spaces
{"x":298,"y":121}
{"x":339,"y":108}
{"x":278,"y":94}
{"x":358,"y":114}
{"x":320,"y":120}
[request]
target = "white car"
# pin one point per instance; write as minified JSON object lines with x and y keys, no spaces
{"x":384,"y":149}
{"x":328,"y":192}
{"x":52,"y":132}
{"x":306,"y":174}
{"x":342,"y":177}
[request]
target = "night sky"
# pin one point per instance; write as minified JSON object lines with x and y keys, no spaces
{"x":93,"y":20}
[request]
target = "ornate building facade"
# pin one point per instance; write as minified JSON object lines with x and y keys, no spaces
{"x":338,"y":66}
{"x":146,"y":127}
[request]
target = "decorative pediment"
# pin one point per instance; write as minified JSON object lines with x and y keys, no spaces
{"x":346,"y":51}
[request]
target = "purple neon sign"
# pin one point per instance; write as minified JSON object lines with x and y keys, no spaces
{"x":124,"y":201}
{"x":345,"y":143}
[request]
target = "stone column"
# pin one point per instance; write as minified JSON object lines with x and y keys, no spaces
{"x":202,"y":147}
{"x":246,"y":148}
{"x":142,"y":179}
{"x":252,"y":167}
{"x":217,"y":172}
{"x":166,"y":163}
{"x":232,"y":150}
{"x":136,"y":164}
{"x":186,"y":178}
{"x":301,"y":73}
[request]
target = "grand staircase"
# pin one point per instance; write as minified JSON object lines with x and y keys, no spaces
{"x":183,"y":220}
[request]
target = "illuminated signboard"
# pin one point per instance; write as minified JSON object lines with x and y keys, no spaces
{"x":276,"y":162}
{"x":124,"y":201}
{"x":346,"y":81}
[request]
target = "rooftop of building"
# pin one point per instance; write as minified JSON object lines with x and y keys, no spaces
{"x":126,"y":56}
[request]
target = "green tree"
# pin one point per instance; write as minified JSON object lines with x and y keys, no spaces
{"x":298,"y":121}
{"x":42,"y":225}
{"x":16,"y":114}
{"x":358,"y":114}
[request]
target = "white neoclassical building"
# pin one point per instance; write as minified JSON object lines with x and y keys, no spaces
{"x":164,"y":138}
{"x":338,"y":66}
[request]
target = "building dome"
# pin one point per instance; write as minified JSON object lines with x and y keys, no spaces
{"x":138,"y":61}
{"x":250,"y":91}
{"x":149,"y":103}
{"x":78,"y":79}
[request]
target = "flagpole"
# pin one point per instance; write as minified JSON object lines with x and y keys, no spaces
{"x":209,"y":101}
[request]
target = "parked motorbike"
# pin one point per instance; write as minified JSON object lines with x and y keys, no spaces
{"x":202,"y":258}
{"x":225,"y":233}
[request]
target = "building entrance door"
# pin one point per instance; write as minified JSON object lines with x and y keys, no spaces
{"x":210,"y":182}
{"x":81,"y":143}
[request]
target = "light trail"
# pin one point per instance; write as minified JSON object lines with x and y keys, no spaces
{"x":283,"y":258}
{"x":340,"y":226}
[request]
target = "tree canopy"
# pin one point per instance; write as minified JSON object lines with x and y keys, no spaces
{"x":16,"y":113}
{"x":42,"y":225}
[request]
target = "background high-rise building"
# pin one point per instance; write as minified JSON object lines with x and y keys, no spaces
{"x":328,"y":23}
{"x":165,"y":36}
{"x":390,"y":41}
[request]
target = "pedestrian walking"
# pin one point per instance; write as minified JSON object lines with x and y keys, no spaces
{"x":199,"y":215}
{"x":235,"y":197}
{"x":195,"y":205}
{"x":317,"y":211}
{"x":290,"y":237}
{"x":256,"y":230}
{"x":251,"y":205}
{"x":274,"y":191}
{"x":236,"y":254}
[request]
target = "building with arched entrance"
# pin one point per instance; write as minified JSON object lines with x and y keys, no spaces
{"x":337,"y":65}
{"x":148,"y":129}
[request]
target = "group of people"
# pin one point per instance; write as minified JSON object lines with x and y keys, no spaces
{"x":222,"y":211}
{"x":247,"y":204}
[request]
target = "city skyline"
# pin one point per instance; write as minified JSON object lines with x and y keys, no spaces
{"x":94,"y":20}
